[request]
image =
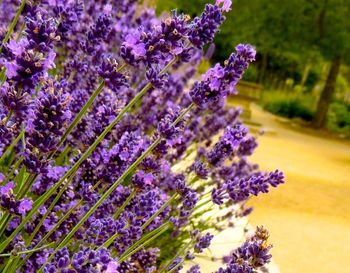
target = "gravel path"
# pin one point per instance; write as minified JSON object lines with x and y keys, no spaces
{"x":309,"y":216}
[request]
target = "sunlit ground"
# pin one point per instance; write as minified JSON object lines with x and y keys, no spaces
{"x":309,"y":216}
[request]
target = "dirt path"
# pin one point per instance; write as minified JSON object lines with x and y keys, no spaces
{"x":309,"y":216}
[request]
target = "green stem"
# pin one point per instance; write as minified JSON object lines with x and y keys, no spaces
{"x":37,"y":204}
{"x":110,"y":240}
{"x":20,"y":33}
{"x":8,"y":265}
{"x":144,"y":241}
{"x":6,"y":217}
{"x":162,"y":208}
{"x":13,"y":24}
{"x":202,"y":204}
{"x":65,"y":217}
{"x":2,"y":76}
{"x":108,"y":193}
{"x":122,"y":207}
{"x":9,"y":176}
{"x":27,"y":251}
{"x":179,"y":253}
{"x":62,"y":219}
{"x":78,"y":117}
{"x":26,"y":185}
{"x":48,"y":211}
{"x":13,"y":144}
{"x":53,"y":203}
{"x":83,"y":111}
{"x":14,"y":265}
{"x":131,"y":168}
{"x":7,"y":118}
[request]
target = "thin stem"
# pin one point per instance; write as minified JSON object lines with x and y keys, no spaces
{"x":202,"y":204}
{"x":119,"y":180}
{"x":2,"y":76}
{"x":78,"y":117}
{"x":9,"y":176}
{"x":7,"y":118}
{"x":145,"y":240}
{"x":13,"y":24}
{"x":28,"y":251}
{"x":122,"y":207}
{"x":37,"y":204}
{"x":26,"y":185}
{"x":179,"y":253}
{"x":83,"y":111}
{"x":48,"y":211}
{"x":162,"y":208}
{"x":107,"y":243}
{"x":107,"y":193}
{"x":6,"y":217}
{"x":62,"y":219}
{"x":14,"y":265}
{"x":38,"y":226}
{"x":13,"y":144}
{"x":20,"y":33}
{"x":65,"y":217}
{"x":8,"y":265}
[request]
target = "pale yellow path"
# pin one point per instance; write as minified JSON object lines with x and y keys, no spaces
{"x":309,"y":216}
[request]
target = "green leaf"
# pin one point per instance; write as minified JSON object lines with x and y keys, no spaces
{"x":20,"y":179}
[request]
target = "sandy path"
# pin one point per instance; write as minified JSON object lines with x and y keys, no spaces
{"x":309,"y":216}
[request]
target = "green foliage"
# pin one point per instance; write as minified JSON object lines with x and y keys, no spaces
{"x":301,"y":105}
{"x":251,"y":75}
{"x":312,"y":79}
{"x":289,"y":105}
{"x":338,"y":119}
{"x":203,"y":66}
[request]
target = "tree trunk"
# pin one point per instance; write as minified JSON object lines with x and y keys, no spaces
{"x":326,"y":95}
{"x":263,"y":67}
{"x":306,"y":73}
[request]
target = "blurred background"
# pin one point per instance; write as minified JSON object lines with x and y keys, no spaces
{"x":298,"y":91}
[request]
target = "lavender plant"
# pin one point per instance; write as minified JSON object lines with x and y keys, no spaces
{"x":110,"y":156}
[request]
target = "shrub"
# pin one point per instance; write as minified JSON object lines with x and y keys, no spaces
{"x":338,"y":118}
{"x":288,"y":105}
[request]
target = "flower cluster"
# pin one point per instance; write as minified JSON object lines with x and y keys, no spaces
{"x":111,"y":153}
{"x":84,"y":260}
{"x":253,"y":255}
{"x":9,"y":202}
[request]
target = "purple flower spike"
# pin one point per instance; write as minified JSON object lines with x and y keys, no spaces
{"x":204,"y":28}
{"x":226,"y":4}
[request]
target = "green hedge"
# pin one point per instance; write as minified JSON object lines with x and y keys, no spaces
{"x":289,"y":105}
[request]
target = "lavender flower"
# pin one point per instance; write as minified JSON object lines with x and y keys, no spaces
{"x":251,"y":256}
{"x":14,"y":101}
{"x":219,"y":81}
{"x":203,"y":242}
{"x":122,"y":190}
{"x":9,"y":202}
{"x":204,"y":28}
{"x":194,"y":269}
{"x":226,"y":4}
{"x":227,"y":144}
{"x":48,"y":119}
{"x":85,"y":260}
{"x":108,"y":71}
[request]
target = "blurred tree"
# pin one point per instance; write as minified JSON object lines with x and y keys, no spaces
{"x":285,"y":30}
{"x":333,"y":41}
